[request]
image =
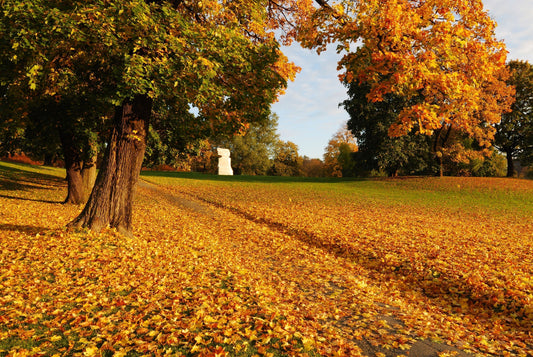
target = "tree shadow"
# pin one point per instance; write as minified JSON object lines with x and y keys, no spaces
{"x":27,"y":229}
{"x":29,"y":199}
{"x":443,"y":291}
{"x":18,"y":179}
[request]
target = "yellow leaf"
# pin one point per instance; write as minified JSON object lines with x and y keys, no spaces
{"x":90,"y":351}
{"x":121,"y":353}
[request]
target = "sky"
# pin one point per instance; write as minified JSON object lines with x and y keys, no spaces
{"x":309,"y":113}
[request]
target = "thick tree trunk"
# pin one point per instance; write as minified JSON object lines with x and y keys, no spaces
{"x":510,"y":164}
{"x":111,"y":200}
{"x":81,"y":174}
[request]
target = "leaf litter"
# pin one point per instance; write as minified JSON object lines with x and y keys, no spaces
{"x":261,"y":275}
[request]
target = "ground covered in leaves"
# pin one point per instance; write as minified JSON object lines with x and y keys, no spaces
{"x":250,"y":266}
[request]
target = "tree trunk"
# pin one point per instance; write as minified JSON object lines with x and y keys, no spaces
{"x":111,"y":200}
{"x":88,"y":176}
{"x":510,"y":164}
{"x":439,"y":144}
{"x":73,"y":166}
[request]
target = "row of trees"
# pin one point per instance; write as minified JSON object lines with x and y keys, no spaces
{"x":363,"y":147}
{"x":257,"y":151}
{"x":448,"y":149}
{"x":190,"y":69}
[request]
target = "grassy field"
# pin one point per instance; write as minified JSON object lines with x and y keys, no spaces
{"x":245,"y":266}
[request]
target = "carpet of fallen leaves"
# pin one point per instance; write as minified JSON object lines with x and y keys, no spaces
{"x":230,"y":268}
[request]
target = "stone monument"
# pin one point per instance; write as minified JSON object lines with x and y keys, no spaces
{"x":224,"y":162}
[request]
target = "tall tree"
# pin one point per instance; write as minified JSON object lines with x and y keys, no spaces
{"x":514,"y":134}
{"x":217,"y":58}
{"x":287,"y":161}
{"x":442,"y":57}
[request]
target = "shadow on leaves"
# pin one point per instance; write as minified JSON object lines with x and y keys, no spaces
{"x":27,"y":229}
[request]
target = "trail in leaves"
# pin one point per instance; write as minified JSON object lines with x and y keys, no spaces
{"x":209,"y":280}
{"x":461,"y":275}
{"x":334,"y":302}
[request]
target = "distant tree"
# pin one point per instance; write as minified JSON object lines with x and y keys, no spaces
{"x":252,"y":152}
{"x":493,"y":165}
{"x":338,"y":156}
{"x":313,"y":167}
{"x":287,"y":161}
{"x":463,"y":156}
{"x":514,"y":134}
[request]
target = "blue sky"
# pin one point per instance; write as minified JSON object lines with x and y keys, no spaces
{"x":309,"y":114}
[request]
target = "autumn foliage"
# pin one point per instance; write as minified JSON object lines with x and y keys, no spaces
{"x":441,"y":56}
{"x":231,"y":268}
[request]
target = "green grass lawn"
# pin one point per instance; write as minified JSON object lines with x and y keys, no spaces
{"x":499,"y":194}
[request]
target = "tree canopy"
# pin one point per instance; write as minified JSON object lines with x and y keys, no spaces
{"x":443,"y":54}
{"x":202,"y":54}
{"x":220,"y":60}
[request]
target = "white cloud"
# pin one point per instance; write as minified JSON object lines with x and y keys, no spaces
{"x":515,"y":26}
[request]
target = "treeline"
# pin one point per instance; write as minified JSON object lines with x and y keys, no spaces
{"x":363,"y":147}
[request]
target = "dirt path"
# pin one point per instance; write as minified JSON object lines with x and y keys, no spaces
{"x":324,"y":294}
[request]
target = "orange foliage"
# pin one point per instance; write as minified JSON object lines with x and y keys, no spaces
{"x":442,"y":55}
{"x":332,"y":162}
{"x":264,"y":269}
{"x":22,"y":158}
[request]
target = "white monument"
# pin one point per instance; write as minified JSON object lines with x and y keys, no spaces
{"x":224,"y":162}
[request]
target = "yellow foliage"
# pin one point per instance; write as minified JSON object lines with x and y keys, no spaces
{"x":217,"y":267}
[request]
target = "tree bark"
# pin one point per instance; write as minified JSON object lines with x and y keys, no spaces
{"x":510,"y":164}
{"x":438,"y":145}
{"x":73,"y":166}
{"x":81,"y":173}
{"x":110,"y":203}
{"x":88,"y":171}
